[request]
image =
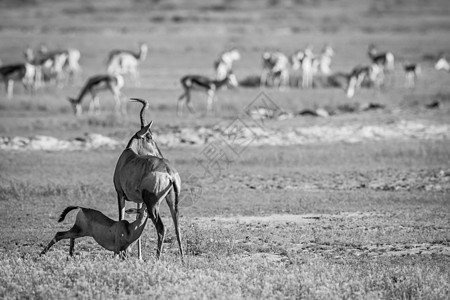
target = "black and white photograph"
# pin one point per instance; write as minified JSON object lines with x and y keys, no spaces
{"x":225,"y":149}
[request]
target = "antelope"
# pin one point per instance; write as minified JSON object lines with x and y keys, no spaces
{"x":112,"y":235}
{"x":52,"y":64}
{"x":95,"y":84}
{"x":223,"y":65}
{"x":442,"y":64}
{"x":361,"y":73}
{"x":126,"y":62}
{"x":325,"y":60}
{"x":275,"y":68}
{"x":202,"y":83}
{"x":72,"y":64}
{"x":382,"y":59}
{"x":143,"y":175}
{"x":412,"y":71}
{"x":23,"y":72}
{"x":308,"y":63}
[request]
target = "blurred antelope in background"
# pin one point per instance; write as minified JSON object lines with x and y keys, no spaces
{"x":142,"y":175}
{"x":275,"y":69}
{"x":62,"y":66}
{"x":412,"y":72}
{"x":23,"y":72}
{"x":442,"y":64}
{"x":112,"y":235}
{"x":361,"y":73}
{"x":95,"y":84}
{"x":383,"y":59}
{"x":202,"y":83}
{"x":308,"y":63}
{"x":223,"y":65}
{"x":125,"y":62}
{"x":325,"y":60}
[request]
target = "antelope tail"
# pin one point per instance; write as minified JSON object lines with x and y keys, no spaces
{"x":66,"y":211}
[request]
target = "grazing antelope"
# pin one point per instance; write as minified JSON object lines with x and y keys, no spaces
{"x":23,"y":72}
{"x":275,"y":69}
{"x":223,"y":65}
{"x":412,"y":72}
{"x":95,"y":84}
{"x":361,"y":73}
{"x":442,"y":64}
{"x":142,"y":175}
{"x":126,"y":62}
{"x":202,"y":83}
{"x":112,"y":235}
{"x":50,"y":65}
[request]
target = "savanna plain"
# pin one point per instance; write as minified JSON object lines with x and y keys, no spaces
{"x":361,"y":218}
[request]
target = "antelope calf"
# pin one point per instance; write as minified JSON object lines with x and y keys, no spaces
{"x":112,"y":235}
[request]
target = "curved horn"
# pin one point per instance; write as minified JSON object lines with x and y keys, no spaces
{"x":144,"y":107}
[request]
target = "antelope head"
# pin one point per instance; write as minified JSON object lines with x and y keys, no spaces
{"x":76,"y":106}
{"x":142,"y":142}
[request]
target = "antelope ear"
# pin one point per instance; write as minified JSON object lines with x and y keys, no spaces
{"x":144,"y":130}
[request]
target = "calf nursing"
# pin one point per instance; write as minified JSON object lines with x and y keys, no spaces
{"x":112,"y":235}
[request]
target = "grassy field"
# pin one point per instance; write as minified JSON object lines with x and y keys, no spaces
{"x":364,"y":220}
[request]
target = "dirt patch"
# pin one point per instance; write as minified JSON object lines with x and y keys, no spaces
{"x":335,"y":250}
{"x":252,"y":136}
{"x":48,"y":143}
{"x":273,"y":219}
{"x":386,"y":180}
{"x":340,"y":251}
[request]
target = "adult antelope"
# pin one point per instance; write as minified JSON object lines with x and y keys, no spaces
{"x":308,"y":63}
{"x":325,"y":60}
{"x":112,"y":235}
{"x":412,"y":72}
{"x":142,"y":175}
{"x":126,"y":62}
{"x":223,"y":65}
{"x":372,"y":73}
{"x":275,"y":69}
{"x":95,"y":84}
{"x":23,"y":72}
{"x":385,"y":60}
{"x":202,"y":83}
{"x":53,"y":64}
{"x":442,"y":64}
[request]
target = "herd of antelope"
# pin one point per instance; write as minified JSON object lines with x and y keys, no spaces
{"x":142,"y":174}
{"x":58,"y":67}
